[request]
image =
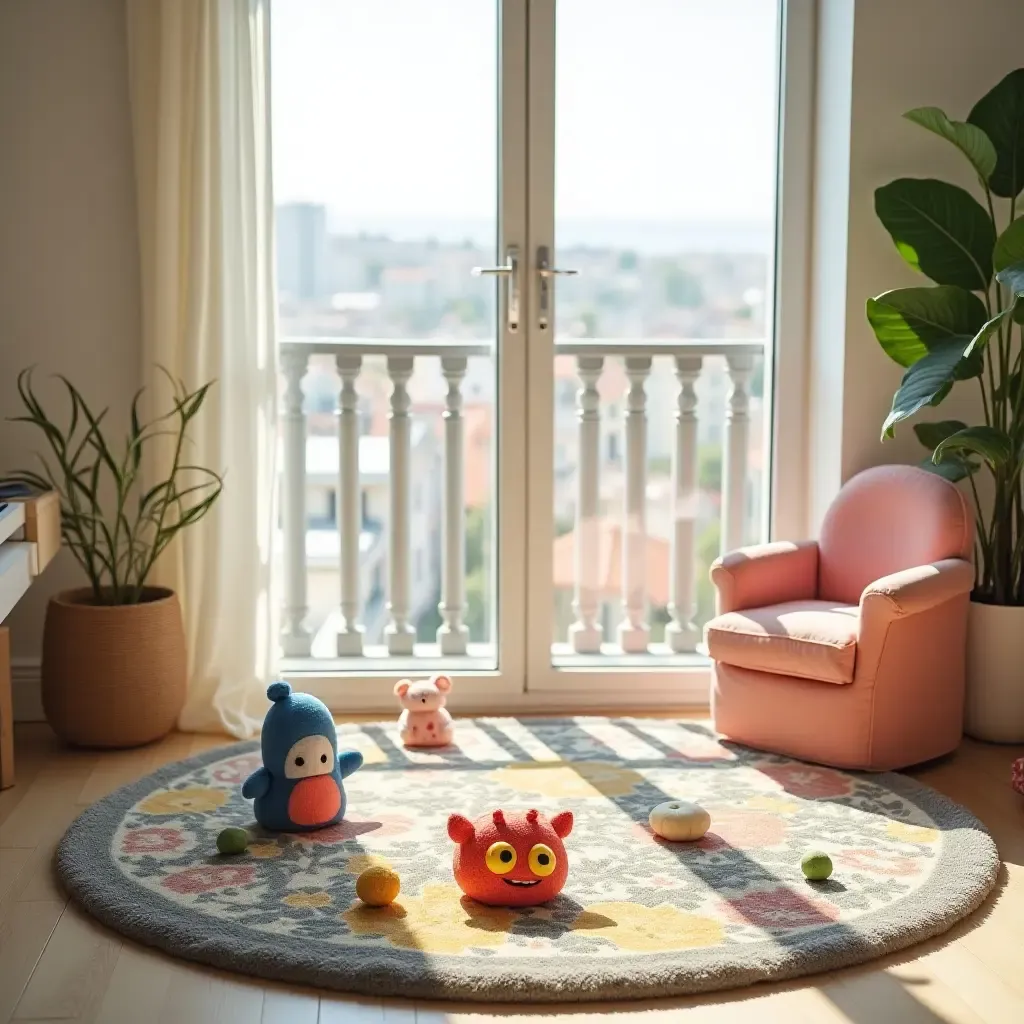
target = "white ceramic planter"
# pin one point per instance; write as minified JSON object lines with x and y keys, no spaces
{"x":994,"y":708}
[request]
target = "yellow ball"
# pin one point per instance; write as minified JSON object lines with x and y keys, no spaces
{"x":378,"y":886}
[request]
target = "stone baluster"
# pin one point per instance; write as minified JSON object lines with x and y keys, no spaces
{"x":585,"y":632}
{"x":681,"y":633}
{"x":453,"y":634}
{"x":350,"y":633}
{"x":399,"y":632}
{"x":295,"y":637}
{"x":734,"y":455}
{"x":634,"y":631}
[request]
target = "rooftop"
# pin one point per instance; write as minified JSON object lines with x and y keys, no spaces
{"x":374,"y":453}
{"x":609,"y":558}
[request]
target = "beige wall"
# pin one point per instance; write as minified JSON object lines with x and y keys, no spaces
{"x":69,"y":289}
{"x":906,"y":53}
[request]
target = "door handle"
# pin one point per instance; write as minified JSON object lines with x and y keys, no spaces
{"x":545,"y":272}
{"x":510,"y":271}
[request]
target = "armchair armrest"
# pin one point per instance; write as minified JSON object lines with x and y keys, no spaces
{"x":920,"y":588}
{"x":901,"y":595}
{"x":766,"y":574}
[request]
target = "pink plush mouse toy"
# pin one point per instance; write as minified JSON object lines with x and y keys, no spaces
{"x":424,"y":721}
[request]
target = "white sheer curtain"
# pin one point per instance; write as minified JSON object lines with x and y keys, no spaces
{"x":200,"y":113}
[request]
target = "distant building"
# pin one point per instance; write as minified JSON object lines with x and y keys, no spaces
{"x":322,"y":539}
{"x":303,"y":258}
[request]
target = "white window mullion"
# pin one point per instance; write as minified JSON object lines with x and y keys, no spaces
{"x":540,"y":179}
{"x":513,"y":400}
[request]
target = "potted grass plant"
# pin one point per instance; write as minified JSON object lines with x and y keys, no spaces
{"x":967,"y":331}
{"x":114,"y":657}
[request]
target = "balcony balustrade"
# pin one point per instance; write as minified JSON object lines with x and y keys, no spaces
{"x":586,"y":633}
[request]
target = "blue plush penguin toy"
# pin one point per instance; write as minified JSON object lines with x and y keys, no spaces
{"x":299,"y":787}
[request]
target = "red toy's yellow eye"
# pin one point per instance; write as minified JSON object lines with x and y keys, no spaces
{"x":542,"y":860}
{"x":500,"y":858}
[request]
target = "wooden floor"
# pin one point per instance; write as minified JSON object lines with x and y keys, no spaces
{"x":56,"y":964}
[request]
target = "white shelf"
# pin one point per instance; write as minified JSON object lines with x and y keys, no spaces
{"x":16,"y":561}
{"x":12,"y":518}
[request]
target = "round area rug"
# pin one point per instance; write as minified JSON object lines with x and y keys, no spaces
{"x":638,"y":916}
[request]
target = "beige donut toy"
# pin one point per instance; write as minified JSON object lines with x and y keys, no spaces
{"x":680,"y":821}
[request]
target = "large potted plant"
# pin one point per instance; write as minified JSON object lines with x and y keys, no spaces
{"x":114,"y":657}
{"x":966,"y":332}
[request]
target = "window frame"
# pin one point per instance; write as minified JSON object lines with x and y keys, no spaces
{"x":525,"y":680}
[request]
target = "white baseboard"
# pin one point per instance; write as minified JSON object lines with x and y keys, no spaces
{"x":26,"y":693}
{"x":589,"y":693}
{"x":688,"y":689}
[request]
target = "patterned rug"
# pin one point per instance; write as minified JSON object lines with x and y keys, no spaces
{"x":638,"y":916}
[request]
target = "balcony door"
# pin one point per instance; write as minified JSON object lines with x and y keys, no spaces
{"x":399,"y":165}
{"x":652,"y":183}
{"x":525,"y":296}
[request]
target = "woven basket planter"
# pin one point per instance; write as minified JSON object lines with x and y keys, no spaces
{"x":113,"y":675}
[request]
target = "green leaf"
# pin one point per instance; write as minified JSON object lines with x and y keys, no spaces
{"x":26,"y":476}
{"x":192,"y":514}
{"x":923,"y":381}
{"x":193,"y":403}
{"x":940,"y":395}
{"x":993,"y":445}
{"x":950,"y":466}
{"x":969,"y":139}
{"x":908,"y":321}
{"x":28,"y":396}
{"x":53,"y":435}
{"x":931,"y":435}
{"x":98,"y":443}
{"x":135,"y":437}
{"x":87,"y":438}
{"x":73,"y":396}
{"x":969,"y":367}
{"x":1008,"y":388}
{"x":1012,"y":277}
{"x":939,"y":229}
{"x":1000,"y":115}
{"x":1009,"y":246}
{"x":980,"y":341}
{"x":146,"y":498}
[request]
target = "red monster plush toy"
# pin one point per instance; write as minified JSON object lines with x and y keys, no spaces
{"x":510,"y":860}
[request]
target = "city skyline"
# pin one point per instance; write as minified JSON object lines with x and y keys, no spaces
{"x":705,"y":283}
{"x":649,"y":237}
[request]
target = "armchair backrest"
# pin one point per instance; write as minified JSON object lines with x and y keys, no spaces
{"x":887,"y":519}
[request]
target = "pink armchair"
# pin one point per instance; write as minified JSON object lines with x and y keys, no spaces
{"x":850,"y":651}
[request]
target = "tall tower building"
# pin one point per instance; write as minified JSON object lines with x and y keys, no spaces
{"x":302,"y":252}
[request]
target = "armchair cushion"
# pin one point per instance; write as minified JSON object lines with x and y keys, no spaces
{"x":766,"y":574}
{"x":807,"y":639}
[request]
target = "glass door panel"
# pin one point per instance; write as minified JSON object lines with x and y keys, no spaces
{"x":654,"y":180}
{"x":395,"y":160}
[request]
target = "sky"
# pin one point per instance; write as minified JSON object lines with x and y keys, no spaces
{"x":386,"y":110}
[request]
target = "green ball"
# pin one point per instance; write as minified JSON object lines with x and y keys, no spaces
{"x":817,"y":866}
{"x":232,"y":840}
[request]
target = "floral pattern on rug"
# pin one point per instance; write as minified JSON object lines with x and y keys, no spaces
{"x":628,"y":891}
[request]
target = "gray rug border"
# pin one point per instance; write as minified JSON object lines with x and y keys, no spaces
{"x":964,"y":876}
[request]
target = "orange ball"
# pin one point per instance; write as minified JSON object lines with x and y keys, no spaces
{"x":378,"y":886}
